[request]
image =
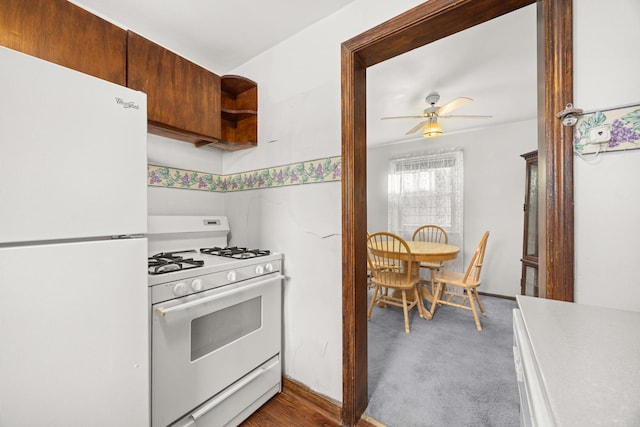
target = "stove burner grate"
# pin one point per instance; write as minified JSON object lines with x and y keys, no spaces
{"x":166,"y":262}
{"x":235,"y":252}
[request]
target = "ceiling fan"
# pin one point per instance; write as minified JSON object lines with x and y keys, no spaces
{"x":431,"y":115}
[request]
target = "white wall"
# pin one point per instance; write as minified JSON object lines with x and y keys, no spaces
{"x":494,"y":185}
{"x":182,"y":155}
{"x":302,"y":222}
{"x":607,"y":201}
{"x":299,"y":105}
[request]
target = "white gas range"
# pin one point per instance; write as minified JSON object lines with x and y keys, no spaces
{"x":215,"y":323}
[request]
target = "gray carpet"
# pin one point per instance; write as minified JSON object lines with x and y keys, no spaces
{"x":445,"y":372}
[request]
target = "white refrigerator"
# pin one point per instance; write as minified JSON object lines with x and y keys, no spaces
{"x":74,"y":343}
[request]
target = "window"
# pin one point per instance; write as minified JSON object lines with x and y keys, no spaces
{"x":428,"y":189}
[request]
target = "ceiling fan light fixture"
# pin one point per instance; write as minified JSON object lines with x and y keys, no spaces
{"x":432,"y":129}
{"x":429,"y":117}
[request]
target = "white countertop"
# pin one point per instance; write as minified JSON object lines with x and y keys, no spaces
{"x":589,"y":360}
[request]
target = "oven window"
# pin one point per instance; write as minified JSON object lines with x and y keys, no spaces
{"x":217,"y":329}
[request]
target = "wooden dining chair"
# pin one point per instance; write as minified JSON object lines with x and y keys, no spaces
{"x":389,"y":272}
{"x":431,"y":233}
{"x":395,"y":267}
{"x":469,"y":282}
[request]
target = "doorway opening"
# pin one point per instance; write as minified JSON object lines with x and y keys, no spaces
{"x":417,"y":27}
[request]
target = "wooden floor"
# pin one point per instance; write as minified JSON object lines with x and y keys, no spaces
{"x":284,"y":410}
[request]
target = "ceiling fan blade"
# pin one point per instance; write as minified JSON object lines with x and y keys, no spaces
{"x":456,"y":103}
{"x":462,"y":116}
{"x":402,"y":117}
{"x":416,"y":127}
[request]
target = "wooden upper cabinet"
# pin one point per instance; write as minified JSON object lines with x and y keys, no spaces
{"x":183,"y":99}
{"x":61,"y":32}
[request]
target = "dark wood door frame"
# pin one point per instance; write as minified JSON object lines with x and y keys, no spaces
{"x":417,"y":27}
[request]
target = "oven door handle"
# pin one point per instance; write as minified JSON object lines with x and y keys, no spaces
{"x":231,"y":390}
{"x":162,"y":311}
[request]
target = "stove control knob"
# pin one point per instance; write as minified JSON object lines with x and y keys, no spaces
{"x":180,"y":289}
{"x":231,"y":276}
{"x":259,"y":269}
{"x":269,"y":267}
{"x":196,"y":285}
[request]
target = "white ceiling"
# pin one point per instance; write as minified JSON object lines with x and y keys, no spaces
{"x":493,"y":63}
{"x":218,"y":35}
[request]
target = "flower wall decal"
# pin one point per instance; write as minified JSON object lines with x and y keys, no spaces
{"x":309,"y":172}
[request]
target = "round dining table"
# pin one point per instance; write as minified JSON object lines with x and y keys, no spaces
{"x":421,"y":252}
{"x":431,"y":251}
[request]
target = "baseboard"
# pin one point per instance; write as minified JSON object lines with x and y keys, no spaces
{"x":294,"y":388}
{"x":497,"y":296}
{"x":367,"y":421}
{"x":331,"y":406}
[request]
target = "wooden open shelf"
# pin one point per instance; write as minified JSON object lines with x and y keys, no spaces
{"x":239,"y":111}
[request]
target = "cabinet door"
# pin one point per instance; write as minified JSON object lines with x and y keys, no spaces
{"x":61,"y":32}
{"x":183,"y":99}
{"x":529,"y":279}
{"x":531,"y":211}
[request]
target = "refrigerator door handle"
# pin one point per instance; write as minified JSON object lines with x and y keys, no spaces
{"x":128,"y":236}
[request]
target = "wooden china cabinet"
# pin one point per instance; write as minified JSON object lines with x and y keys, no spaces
{"x":529,"y":279}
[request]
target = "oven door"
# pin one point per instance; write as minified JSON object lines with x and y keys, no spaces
{"x":203,"y":343}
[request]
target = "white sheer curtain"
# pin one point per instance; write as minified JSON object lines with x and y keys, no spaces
{"x":427,"y":188}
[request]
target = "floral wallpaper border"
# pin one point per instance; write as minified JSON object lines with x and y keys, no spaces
{"x":309,"y":172}
{"x":622,"y":125}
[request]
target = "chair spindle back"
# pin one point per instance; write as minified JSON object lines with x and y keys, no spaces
{"x":431,"y":233}
{"x":383,"y":257}
{"x":475,"y":266}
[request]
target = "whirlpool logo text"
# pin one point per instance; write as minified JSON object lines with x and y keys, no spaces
{"x":127,"y":104}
